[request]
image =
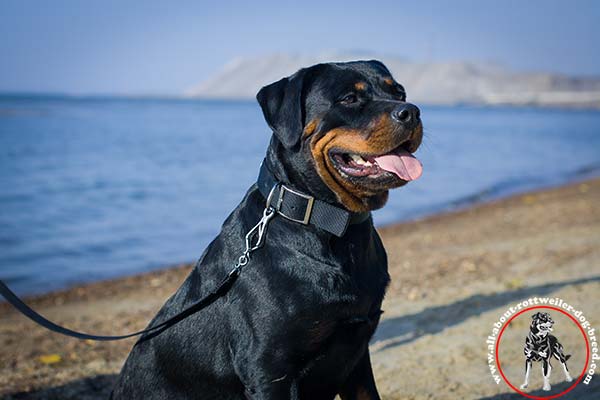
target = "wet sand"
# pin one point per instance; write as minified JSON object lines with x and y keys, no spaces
{"x":453,"y":275}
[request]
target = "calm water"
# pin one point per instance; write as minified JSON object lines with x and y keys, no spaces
{"x":96,"y":188}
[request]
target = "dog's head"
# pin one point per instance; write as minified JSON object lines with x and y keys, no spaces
{"x":541,"y":323}
{"x":343,"y":132}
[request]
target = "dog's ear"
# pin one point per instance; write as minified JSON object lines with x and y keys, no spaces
{"x":281,"y":104}
{"x":535,"y":316}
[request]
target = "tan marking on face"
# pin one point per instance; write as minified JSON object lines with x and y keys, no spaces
{"x":310,"y":128}
{"x":388,"y":81}
{"x":375,"y":139}
{"x":360,"y":86}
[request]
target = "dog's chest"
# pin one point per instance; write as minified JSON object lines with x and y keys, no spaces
{"x":538,"y":344}
{"x":337,"y":341}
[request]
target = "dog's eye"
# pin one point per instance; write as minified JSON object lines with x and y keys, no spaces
{"x":400,"y":92}
{"x":349,"y":99}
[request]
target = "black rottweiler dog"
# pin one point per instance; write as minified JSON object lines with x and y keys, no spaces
{"x":297,"y":321}
{"x":540,"y":345}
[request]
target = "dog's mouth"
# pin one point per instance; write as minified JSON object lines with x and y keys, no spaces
{"x":545,"y":327}
{"x":399,"y":163}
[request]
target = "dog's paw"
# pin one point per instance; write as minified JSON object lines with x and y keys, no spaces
{"x":523,"y":386}
{"x":546,"y":387}
{"x":569,"y":378}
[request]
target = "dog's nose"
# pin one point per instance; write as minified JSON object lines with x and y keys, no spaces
{"x":407,"y":114}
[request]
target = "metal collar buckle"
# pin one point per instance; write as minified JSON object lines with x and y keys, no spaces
{"x":309,"y":204}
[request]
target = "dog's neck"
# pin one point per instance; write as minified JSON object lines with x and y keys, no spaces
{"x":287,"y":167}
{"x":304,"y":208}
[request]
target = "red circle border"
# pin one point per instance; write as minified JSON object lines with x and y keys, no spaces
{"x":587,"y":357}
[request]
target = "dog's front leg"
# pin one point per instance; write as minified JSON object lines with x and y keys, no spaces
{"x":546,"y":369}
{"x":527,"y":371}
{"x":361,"y":384}
{"x":278,"y":390}
{"x":267,"y":380}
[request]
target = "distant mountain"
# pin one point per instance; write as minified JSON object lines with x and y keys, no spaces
{"x":426,"y":83}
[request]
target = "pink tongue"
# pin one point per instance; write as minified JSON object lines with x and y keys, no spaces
{"x":402,"y":163}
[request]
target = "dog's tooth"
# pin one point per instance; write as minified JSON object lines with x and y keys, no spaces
{"x":358,"y":159}
{"x":368,"y":164}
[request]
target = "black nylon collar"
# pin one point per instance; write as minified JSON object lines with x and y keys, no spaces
{"x":305,"y":209}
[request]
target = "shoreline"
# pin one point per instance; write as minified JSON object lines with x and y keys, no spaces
{"x":482,"y":198}
{"x":502,"y":246}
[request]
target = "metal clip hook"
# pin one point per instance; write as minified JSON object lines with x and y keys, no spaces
{"x":257,"y":233}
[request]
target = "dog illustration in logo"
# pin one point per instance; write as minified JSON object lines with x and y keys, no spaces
{"x":540,"y":345}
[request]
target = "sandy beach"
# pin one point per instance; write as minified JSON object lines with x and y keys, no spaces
{"x":453,"y":275}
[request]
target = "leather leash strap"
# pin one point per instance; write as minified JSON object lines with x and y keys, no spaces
{"x":40,"y":320}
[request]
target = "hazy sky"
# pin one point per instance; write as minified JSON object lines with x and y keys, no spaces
{"x":152,"y":47}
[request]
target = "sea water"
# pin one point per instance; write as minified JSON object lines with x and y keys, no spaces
{"x":95,"y":188}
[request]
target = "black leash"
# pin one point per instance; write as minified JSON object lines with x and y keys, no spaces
{"x":39,"y":319}
{"x":254,"y":240}
{"x":280,"y":200}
